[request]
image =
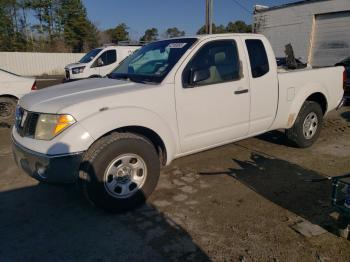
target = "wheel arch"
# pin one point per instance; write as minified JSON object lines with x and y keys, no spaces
{"x":10,"y":96}
{"x":319,"y":98}
{"x":316,"y":95}
{"x":147,"y":133}
{"x":141,"y":121}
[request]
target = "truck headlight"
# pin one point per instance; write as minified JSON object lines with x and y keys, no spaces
{"x":49,"y":125}
{"x":78,"y":70}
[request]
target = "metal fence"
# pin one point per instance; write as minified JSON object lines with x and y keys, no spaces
{"x":36,"y":64}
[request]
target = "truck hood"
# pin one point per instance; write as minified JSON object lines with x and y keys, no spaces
{"x":73,"y":65}
{"x":57,"y":99}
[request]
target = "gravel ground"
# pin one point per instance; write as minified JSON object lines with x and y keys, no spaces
{"x":234,"y":203}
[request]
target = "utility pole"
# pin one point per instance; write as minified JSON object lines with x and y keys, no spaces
{"x":209,"y":16}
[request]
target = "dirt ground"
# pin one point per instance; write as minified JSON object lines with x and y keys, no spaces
{"x":234,"y":203}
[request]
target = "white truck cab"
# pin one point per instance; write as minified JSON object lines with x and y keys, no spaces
{"x":98,"y":62}
{"x":169,"y":99}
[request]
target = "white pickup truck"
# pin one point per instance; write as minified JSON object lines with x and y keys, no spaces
{"x":169,"y":99}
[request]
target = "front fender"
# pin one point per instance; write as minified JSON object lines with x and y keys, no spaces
{"x":108,"y":120}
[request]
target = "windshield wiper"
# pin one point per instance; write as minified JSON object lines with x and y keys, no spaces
{"x":131,"y":78}
{"x":115,"y":76}
{"x":142,"y":81}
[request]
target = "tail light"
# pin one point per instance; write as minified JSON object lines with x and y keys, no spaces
{"x":344,"y":79}
{"x":34,"y":87}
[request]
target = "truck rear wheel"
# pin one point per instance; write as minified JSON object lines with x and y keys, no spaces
{"x":307,"y":126}
{"x":120,"y":171}
{"x":7,"y":110}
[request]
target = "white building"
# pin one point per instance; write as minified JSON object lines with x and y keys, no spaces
{"x":319,"y":30}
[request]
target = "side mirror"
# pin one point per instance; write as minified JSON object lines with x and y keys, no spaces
{"x":199,"y":76}
{"x":100,"y":62}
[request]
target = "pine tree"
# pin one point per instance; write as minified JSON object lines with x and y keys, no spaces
{"x":119,"y":33}
{"x":173,"y":32}
{"x":150,"y":35}
{"x":11,"y":36}
{"x":79,"y":33}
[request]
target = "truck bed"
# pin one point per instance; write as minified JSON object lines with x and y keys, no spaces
{"x":294,"y":85}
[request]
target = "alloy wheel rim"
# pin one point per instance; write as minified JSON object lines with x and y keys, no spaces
{"x":310,"y":125}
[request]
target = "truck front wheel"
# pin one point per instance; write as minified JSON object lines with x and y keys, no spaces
{"x":307,"y":126}
{"x":120,"y":171}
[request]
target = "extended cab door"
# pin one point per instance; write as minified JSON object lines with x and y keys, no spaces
{"x":212,"y":95}
{"x":263,"y":83}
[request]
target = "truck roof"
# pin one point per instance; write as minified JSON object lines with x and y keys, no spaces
{"x":118,"y":47}
{"x":207,"y":36}
{"x":204,"y":36}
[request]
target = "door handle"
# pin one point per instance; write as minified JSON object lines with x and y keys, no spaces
{"x":238,"y":92}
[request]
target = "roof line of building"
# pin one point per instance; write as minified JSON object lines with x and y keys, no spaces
{"x":286,"y":5}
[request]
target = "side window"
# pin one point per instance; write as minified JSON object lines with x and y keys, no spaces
{"x":258,"y":58}
{"x":216,"y":62}
{"x":109,"y":57}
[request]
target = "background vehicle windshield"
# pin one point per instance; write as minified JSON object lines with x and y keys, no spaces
{"x":89,"y":56}
{"x":154,"y":61}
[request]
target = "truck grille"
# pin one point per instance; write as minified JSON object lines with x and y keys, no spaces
{"x":26,"y":122}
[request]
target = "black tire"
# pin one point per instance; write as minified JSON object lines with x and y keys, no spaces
{"x":95,"y":76}
{"x":97,"y":160}
{"x":296,"y":135}
{"x":7,"y":110}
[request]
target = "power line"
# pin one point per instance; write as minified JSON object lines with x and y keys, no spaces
{"x":242,"y":6}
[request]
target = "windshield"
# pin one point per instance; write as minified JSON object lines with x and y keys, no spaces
{"x":152,"y":62}
{"x":89,"y":56}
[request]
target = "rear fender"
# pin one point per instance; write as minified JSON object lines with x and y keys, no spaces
{"x":301,"y":97}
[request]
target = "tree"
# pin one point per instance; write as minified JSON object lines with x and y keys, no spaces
{"x":78,"y":31}
{"x":119,"y":33}
{"x":47,"y":13}
{"x":221,"y":29}
{"x":238,"y":27}
{"x":6,"y":27}
{"x":201,"y":31}
{"x":11,"y":29}
{"x":150,"y":35}
{"x":173,"y":32}
{"x":45,"y":25}
{"x":232,"y":27}
{"x":216,"y":30}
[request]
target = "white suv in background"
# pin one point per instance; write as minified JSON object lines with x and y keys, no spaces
{"x":98,"y":62}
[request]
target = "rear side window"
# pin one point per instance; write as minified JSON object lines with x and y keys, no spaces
{"x":258,"y":58}
{"x":109,"y":57}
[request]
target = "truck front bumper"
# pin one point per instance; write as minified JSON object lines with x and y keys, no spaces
{"x":52,"y":169}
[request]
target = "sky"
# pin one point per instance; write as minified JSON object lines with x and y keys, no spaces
{"x":187,"y":15}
